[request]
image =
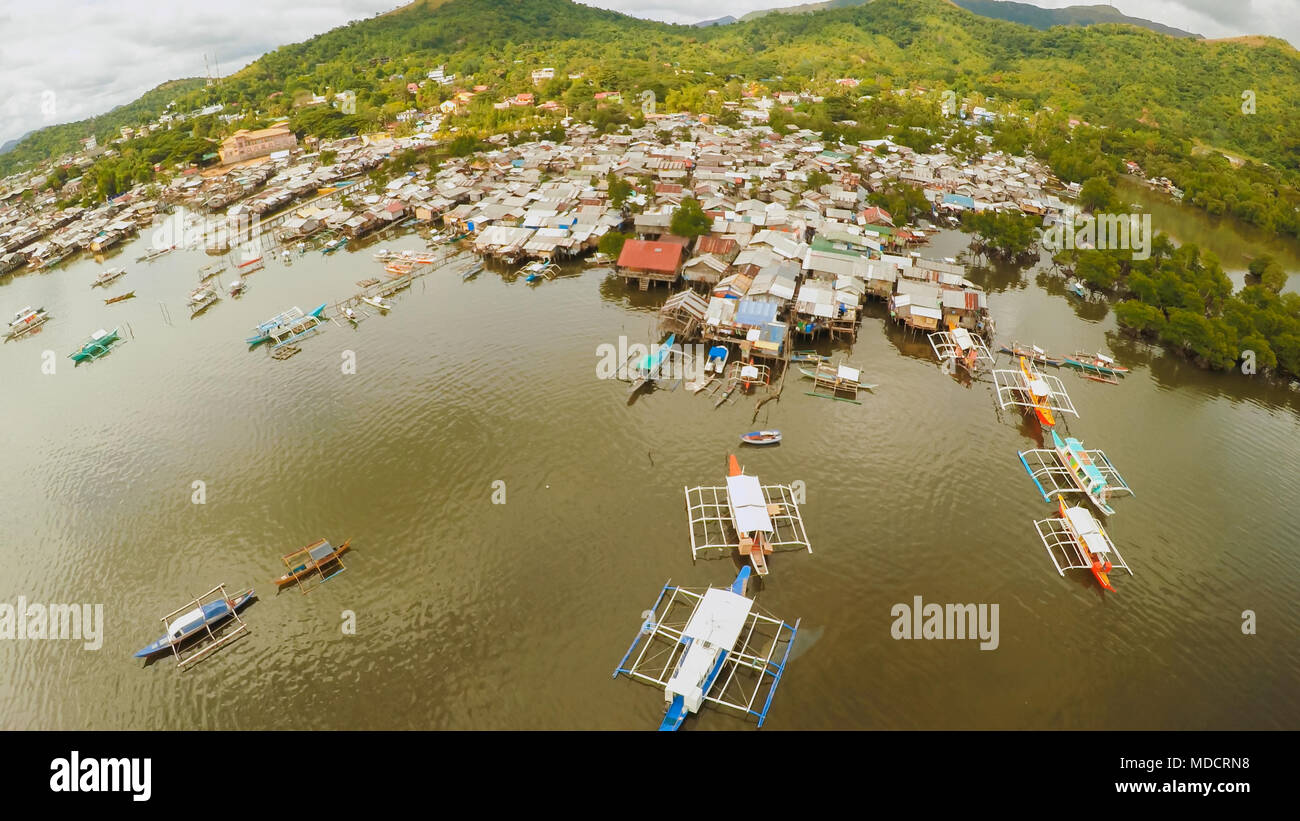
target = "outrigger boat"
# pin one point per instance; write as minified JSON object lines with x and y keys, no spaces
{"x":26,"y":321}
{"x":108,"y":275}
{"x":1097,"y":366}
{"x":122,"y":297}
{"x":837,"y":379}
{"x":1068,"y":468}
{"x":1031,"y":390}
{"x":251,"y":262}
{"x":745,"y":515}
{"x":287,"y":327}
{"x":155,"y":253}
{"x":963,"y":348}
{"x":1038,"y":393}
{"x":537,"y":270}
{"x":645,"y":369}
{"x":726,"y":653}
{"x":209,"y":271}
{"x":1076,"y":288}
{"x":1076,"y":540}
{"x":99,"y":344}
{"x":378,"y":302}
{"x":1033,"y":353}
{"x":237,"y":288}
{"x":201,"y":619}
{"x":472,"y":272}
{"x":333,"y":245}
{"x":201,"y":299}
{"x":313,"y":561}
{"x":761,"y":437}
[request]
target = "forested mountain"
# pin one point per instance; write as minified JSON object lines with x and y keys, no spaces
{"x":1170,"y":104}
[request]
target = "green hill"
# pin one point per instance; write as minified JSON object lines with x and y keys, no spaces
{"x":1157,"y":97}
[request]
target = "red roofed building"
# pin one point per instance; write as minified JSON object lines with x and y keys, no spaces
{"x":648,"y":262}
{"x":875,"y":215}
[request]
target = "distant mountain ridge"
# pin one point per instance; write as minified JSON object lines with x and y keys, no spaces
{"x":1040,"y":18}
{"x":1023,"y":13}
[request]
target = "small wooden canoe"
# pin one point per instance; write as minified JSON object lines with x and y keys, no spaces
{"x":761,"y":437}
{"x":127,"y":295}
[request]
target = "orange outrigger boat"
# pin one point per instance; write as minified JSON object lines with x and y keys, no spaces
{"x":1038,"y":393}
{"x":313,"y":559}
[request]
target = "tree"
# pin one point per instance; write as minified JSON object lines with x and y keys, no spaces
{"x":1269,"y":271}
{"x":619,"y":189}
{"x":611,"y":245}
{"x":689,"y":219}
{"x":1096,"y":195}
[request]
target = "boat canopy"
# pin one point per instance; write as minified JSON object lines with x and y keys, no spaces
{"x":748,"y":505}
{"x":849,"y":374}
{"x":1087,"y":529}
{"x":714,"y":628}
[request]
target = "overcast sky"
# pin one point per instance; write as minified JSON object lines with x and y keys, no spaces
{"x":65,"y":60}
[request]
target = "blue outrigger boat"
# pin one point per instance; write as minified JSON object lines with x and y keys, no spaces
{"x":287,"y":327}
{"x":191,"y":623}
{"x":727,"y":653}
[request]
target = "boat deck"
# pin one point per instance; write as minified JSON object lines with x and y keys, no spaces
{"x":1013,"y":390}
{"x":1053,"y":477}
{"x":716,"y":515}
{"x":744,"y":668}
{"x":1067,"y":553}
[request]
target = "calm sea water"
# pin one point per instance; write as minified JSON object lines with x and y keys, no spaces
{"x":474,"y":615}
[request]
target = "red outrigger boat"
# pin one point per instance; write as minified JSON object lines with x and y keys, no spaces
{"x":1075,"y":539}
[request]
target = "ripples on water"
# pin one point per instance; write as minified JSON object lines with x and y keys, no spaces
{"x":475,"y":615}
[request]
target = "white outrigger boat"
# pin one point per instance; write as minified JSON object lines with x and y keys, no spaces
{"x":728,"y":652}
{"x":378,"y":302}
{"x":962,"y":348}
{"x":26,"y":321}
{"x":108,"y":275}
{"x":746,"y":516}
{"x":539,"y":269}
{"x":201,"y":298}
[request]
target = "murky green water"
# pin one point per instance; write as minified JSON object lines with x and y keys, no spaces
{"x":476,"y":615}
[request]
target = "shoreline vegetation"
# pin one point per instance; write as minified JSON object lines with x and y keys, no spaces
{"x":915,"y":73}
{"x":1178,"y":296}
